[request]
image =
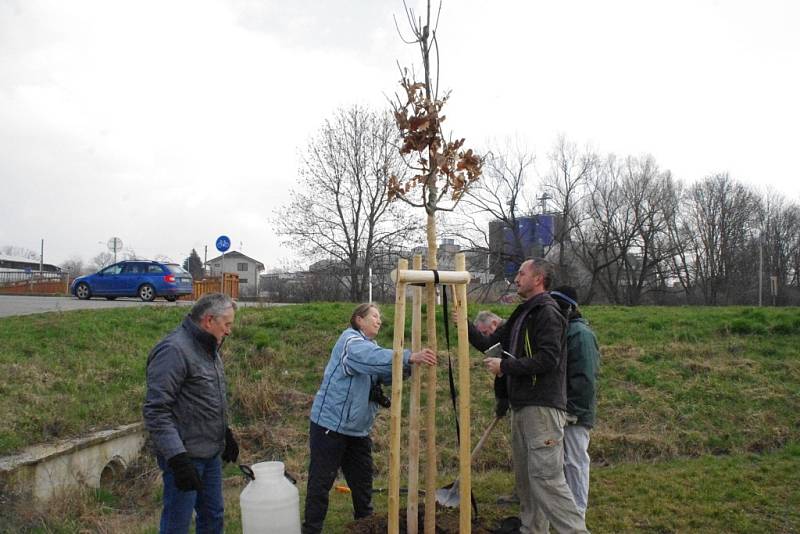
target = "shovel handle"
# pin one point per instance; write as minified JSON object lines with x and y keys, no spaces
{"x":449,"y":495}
{"x":483,"y":439}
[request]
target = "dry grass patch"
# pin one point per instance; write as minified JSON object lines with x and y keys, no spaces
{"x":267,"y":441}
{"x":121,"y":508}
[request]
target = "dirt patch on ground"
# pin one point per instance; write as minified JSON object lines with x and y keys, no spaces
{"x":447,"y":522}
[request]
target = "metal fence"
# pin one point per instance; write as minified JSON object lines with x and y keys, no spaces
{"x":33,"y":283}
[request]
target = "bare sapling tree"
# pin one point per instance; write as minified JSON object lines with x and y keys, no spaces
{"x":341,"y":210}
{"x":442,"y":171}
{"x":440,"y":167}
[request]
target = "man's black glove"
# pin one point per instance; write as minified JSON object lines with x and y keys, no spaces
{"x":501,"y":406}
{"x":186,"y":477}
{"x":231,"y":452}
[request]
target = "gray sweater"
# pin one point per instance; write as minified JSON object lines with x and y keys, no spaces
{"x":185,"y":408}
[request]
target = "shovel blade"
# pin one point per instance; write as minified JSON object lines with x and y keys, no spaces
{"x":448,"y":496}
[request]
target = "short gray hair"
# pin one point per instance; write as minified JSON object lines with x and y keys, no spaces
{"x":485,"y":316}
{"x":361,"y":311}
{"x":545,"y":268}
{"x":213,"y":304}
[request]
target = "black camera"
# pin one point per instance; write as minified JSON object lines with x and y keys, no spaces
{"x":376,"y":395}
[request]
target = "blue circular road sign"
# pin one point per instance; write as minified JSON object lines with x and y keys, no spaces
{"x":223,"y":243}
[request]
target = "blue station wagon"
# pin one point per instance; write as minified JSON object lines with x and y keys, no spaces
{"x":135,"y":278}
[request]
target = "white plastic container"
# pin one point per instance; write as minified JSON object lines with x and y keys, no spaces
{"x":270,"y":503}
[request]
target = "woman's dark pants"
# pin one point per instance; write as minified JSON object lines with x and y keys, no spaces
{"x":330,"y":451}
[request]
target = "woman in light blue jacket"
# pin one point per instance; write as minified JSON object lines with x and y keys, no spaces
{"x":343,"y":413}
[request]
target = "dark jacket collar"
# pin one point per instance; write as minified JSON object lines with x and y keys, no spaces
{"x":208,"y":341}
{"x":517,"y":319}
{"x":536,"y":300}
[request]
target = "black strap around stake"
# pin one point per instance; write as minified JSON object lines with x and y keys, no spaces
{"x":453,"y":392}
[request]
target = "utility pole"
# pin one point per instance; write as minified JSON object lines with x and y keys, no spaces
{"x":205,"y":261}
{"x":41,"y":258}
{"x":774,"y":289}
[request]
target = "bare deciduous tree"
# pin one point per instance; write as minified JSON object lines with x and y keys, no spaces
{"x":565,"y":185}
{"x":20,"y":252}
{"x":680,"y":265}
{"x":621,"y":235}
{"x":494,"y":205}
{"x":650,"y":195}
{"x":341,"y":209}
{"x":779,"y":225}
{"x":74,"y":266}
{"x":102,"y":260}
{"x":602,"y":235}
{"x":720,"y":216}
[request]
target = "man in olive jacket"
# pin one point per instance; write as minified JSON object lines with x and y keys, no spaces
{"x":533,"y":379}
{"x":583,"y":355}
{"x":185,"y":412}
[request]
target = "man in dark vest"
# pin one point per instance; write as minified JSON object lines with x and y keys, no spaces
{"x":533,"y":379}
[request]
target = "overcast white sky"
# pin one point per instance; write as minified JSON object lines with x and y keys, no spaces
{"x":167,"y":123}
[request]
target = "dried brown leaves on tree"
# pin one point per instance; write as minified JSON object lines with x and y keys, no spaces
{"x":440,"y":167}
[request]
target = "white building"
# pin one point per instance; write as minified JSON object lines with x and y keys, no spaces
{"x":246,"y":267}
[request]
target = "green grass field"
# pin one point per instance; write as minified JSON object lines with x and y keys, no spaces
{"x":699,"y":411}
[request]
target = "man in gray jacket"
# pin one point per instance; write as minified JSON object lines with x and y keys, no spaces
{"x":185,"y":412}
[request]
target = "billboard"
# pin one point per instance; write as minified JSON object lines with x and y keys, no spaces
{"x":509,"y":247}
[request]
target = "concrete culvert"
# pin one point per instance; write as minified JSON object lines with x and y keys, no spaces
{"x":113,"y":472}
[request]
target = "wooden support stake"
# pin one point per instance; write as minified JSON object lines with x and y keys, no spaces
{"x":397,"y":400}
{"x":431,"y":475}
{"x":464,"y":460}
{"x":412,"y":505}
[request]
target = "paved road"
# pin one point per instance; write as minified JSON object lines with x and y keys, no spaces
{"x":23,"y":305}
